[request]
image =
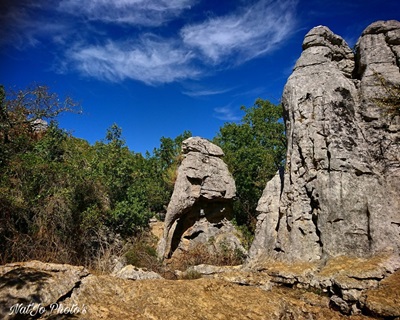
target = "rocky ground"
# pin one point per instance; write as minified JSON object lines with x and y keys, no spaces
{"x":36,"y":290}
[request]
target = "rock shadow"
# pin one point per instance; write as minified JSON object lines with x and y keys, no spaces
{"x":213,"y":211}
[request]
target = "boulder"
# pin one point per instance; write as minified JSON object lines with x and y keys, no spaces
{"x":28,"y":289}
{"x":384,"y":300}
{"x":339,"y":194}
{"x":131,"y":272}
{"x":201,"y":204}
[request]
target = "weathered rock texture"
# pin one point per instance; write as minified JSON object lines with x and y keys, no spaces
{"x":68,"y":292}
{"x":131,"y":272}
{"x":353,"y":284}
{"x":339,"y":194}
{"x":201,"y":201}
{"x":36,"y":285}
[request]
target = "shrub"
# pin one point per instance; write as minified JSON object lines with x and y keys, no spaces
{"x":390,"y":101}
{"x":223,"y":255}
{"x":190,"y":275}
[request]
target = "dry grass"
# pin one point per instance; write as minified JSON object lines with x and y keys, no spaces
{"x":390,"y":101}
{"x":201,"y":254}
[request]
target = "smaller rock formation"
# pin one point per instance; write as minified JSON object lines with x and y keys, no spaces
{"x":201,"y":203}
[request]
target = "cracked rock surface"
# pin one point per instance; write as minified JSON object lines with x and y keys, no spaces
{"x":230,"y":293}
{"x":36,"y":283}
{"x":201,"y":204}
{"x":368,"y":286}
{"x":339,"y":194}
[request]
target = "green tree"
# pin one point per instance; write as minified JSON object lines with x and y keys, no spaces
{"x":121,"y":171}
{"x":21,"y":116}
{"x":46,"y":191}
{"x":254,"y":150}
{"x":168,"y":157}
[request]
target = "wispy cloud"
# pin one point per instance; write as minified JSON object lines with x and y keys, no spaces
{"x":151,"y":60}
{"x":155,"y":60}
{"x":206,"y":92}
{"x":226,"y":114}
{"x":133,"y":12}
{"x":121,"y":43}
{"x":247,"y":33}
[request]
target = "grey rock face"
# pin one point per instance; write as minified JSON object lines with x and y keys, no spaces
{"x":340,"y":190}
{"x":202,"y":197}
{"x":35,"y":285}
{"x":133,"y":273}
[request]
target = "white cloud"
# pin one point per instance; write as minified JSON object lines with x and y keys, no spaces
{"x":247,"y":33}
{"x":226,"y":114}
{"x":133,"y":12}
{"x":240,"y":36}
{"x":205,"y":92}
{"x":196,"y":50}
{"x":151,"y":60}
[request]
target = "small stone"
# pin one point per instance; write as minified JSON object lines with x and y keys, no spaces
{"x":131,"y":272}
{"x":341,"y":304}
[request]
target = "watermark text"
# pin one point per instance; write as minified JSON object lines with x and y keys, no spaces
{"x":33,"y":309}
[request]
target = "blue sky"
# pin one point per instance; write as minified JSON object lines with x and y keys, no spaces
{"x":159,"y":67}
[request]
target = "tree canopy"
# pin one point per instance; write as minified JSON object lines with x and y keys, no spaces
{"x":254,"y":150}
{"x":62,"y":198}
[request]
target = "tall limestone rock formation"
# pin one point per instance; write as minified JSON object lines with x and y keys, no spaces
{"x":340,"y":192}
{"x":201,"y":203}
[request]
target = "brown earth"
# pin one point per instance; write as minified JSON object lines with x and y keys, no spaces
{"x":234,"y":294}
{"x":109,"y":298}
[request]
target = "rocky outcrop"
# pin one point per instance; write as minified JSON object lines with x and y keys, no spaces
{"x":67,"y":292}
{"x":339,"y":194}
{"x":30,"y":289}
{"x":201,"y":204}
{"x":347,"y":281}
{"x":35,"y":290}
{"x":384,"y":300}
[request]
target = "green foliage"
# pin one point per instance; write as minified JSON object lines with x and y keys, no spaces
{"x":60,"y":198}
{"x":20,"y":112}
{"x":53,"y":202}
{"x":63,"y":200}
{"x":246,"y":235}
{"x":164,"y":164}
{"x":131,"y":213}
{"x":170,"y":149}
{"x":50,"y":146}
{"x":142,"y":255}
{"x":168,"y":155}
{"x":114,"y":136}
{"x":254,"y":150}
